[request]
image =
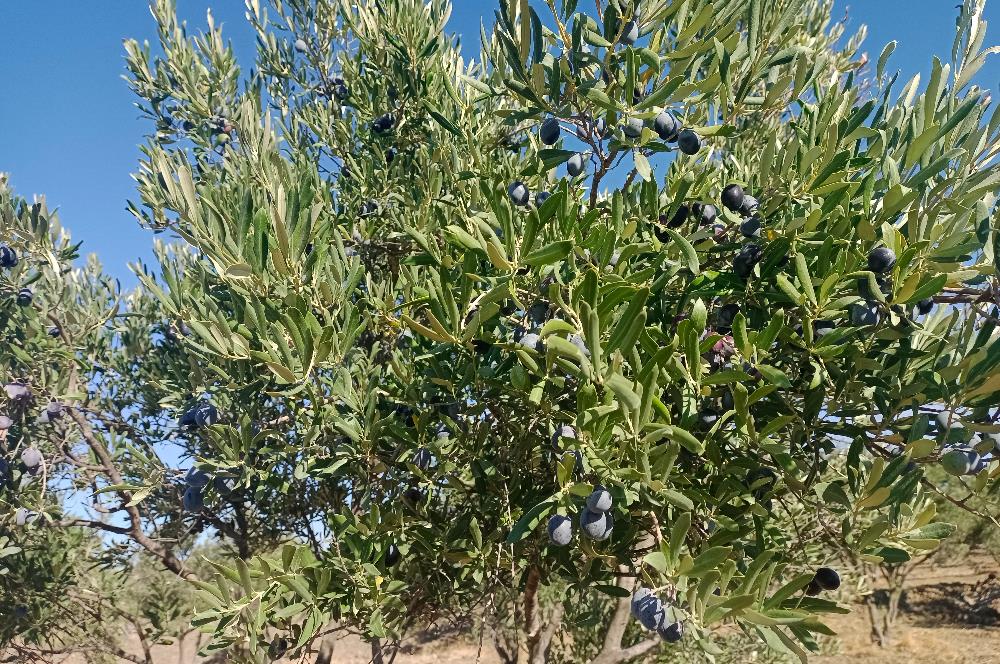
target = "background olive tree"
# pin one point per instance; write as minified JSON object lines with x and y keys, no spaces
{"x":73,"y":442}
{"x":407,"y":324}
{"x":884,"y":584}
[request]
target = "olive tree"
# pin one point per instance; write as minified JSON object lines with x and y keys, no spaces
{"x":498,"y":374}
{"x":67,"y":448}
{"x":885,"y":582}
{"x":596,"y":314}
{"x":90,"y":494}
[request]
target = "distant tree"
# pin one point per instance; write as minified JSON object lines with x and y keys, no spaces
{"x":888,"y":578}
{"x":73,"y":445}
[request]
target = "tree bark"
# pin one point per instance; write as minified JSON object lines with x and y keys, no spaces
{"x":532,"y":617}
{"x":874,"y":621}
{"x":325,"y":655}
{"x":377,"y":652}
{"x":143,"y":641}
{"x":540,"y":653}
{"x":612,"y":651}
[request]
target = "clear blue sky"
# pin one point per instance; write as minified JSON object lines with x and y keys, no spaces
{"x":68,"y":128}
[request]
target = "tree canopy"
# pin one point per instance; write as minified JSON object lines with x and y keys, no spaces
{"x":664,"y":304}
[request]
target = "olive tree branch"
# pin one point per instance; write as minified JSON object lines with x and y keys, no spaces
{"x":135,"y":531}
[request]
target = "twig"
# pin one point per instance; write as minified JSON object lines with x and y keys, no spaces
{"x":135,"y":531}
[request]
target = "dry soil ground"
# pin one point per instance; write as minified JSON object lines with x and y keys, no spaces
{"x":950,"y":617}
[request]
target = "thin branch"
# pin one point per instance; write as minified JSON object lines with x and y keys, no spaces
{"x":90,"y":523}
{"x":135,"y":531}
{"x":143,"y":641}
{"x":638,"y":649}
